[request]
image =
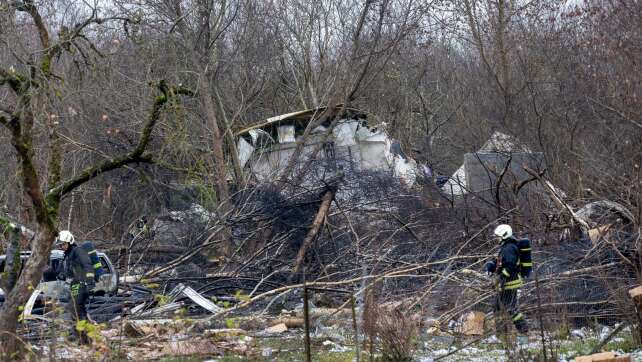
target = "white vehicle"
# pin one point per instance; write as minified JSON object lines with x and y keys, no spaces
{"x":59,"y":289}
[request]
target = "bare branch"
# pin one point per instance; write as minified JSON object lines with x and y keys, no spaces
{"x":135,"y":156}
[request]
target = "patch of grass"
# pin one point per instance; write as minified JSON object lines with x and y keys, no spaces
{"x":626,"y":343}
{"x":335,"y":356}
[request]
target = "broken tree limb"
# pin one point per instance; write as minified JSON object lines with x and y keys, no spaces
{"x":181,"y":259}
{"x":558,"y":199}
{"x":326,"y":200}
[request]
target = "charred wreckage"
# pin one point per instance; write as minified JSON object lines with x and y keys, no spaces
{"x":363,"y":209}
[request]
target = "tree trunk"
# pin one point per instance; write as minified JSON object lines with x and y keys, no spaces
{"x":220,"y":168}
{"x":28,"y":280}
{"x":12,"y":261}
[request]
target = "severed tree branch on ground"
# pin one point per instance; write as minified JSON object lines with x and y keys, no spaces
{"x":326,"y":200}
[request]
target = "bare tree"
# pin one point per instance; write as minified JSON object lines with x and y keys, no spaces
{"x":29,"y":82}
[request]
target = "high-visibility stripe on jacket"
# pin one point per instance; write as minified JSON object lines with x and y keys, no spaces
{"x":525,"y":256}
{"x":95,"y":260}
{"x":509,"y":265}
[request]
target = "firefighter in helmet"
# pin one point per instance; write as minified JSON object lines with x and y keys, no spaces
{"x":507,"y":267}
{"x":76,"y":268}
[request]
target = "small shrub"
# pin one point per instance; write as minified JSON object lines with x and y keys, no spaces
{"x":397,"y":334}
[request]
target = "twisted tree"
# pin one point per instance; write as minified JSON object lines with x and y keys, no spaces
{"x":29,"y":81}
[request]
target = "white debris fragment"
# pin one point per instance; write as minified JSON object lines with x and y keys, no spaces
{"x":578,"y":333}
{"x":245,"y":150}
{"x":335,"y":347}
{"x":266,"y":352}
{"x":365,"y":148}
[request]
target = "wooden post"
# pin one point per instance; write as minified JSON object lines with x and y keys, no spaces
{"x":357,"y":350}
{"x":306,"y":322}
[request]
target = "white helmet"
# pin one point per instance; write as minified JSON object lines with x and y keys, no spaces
{"x":65,"y":236}
{"x":504,"y":231}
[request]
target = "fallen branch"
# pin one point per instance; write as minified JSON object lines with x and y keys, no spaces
{"x":557,"y":198}
{"x":326,"y":200}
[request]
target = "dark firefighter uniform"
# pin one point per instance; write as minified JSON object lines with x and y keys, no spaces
{"x":507,"y":266}
{"x":95,"y":260}
{"x":77,"y":267}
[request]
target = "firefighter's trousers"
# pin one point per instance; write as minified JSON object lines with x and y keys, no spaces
{"x":506,"y":306}
{"x":77,"y":307}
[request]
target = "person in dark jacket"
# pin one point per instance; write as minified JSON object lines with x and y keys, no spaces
{"x":78,"y":269}
{"x":507,"y":266}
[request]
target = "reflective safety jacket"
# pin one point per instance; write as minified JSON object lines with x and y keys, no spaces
{"x":508,"y":266}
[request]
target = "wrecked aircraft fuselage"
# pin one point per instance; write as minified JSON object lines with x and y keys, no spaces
{"x":347,"y":144}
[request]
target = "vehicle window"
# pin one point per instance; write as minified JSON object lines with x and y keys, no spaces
{"x":105,"y":265}
{"x":50,"y":273}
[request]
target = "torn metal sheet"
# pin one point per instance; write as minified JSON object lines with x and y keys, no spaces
{"x":603,"y":212}
{"x":405,"y":170}
{"x":352,"y":144}
{"x":175,"y":292}
{"x":201,"y":300}
{"x":260,"y":137}
{"x":456,"y":184}
{"x":501,"y":142}
{"x":344,"y":133}
{"x":286,"y":133}
{"x":245,"y":150}
{"x":476,"y":173}
{"x":26,"y":314}
{"x":138,"y":308}
{"x":169,"y":307}
{"x":193,"y":295}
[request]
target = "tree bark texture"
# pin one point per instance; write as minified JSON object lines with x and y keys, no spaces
{"x":326,"y":200}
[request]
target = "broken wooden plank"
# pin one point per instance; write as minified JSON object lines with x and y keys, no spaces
{"x":473,"y":324}
{"x":636,"y":294}
{"x":276,"y":329}
{"x":290,"y":322}
{"x":627,"y":358}
{"x":604,"y":357}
